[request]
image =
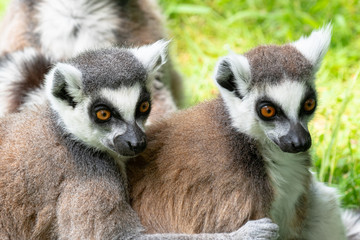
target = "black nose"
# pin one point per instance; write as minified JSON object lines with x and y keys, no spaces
{"x":137,"y":146}
{"x":132,"y":142}
{"x":297,"y":140}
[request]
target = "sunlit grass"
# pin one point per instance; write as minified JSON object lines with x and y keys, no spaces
{"x":202,"y":31}
{"x":3,"y":4}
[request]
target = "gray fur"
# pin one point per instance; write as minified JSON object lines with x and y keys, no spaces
{"x":351,"y":219}
{"x":104,"y":69}
{"x":272,"y":64}
{"x":262,"y":66}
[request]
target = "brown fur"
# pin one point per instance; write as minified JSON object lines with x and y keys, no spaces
{"x":43,"y":191}
{"x":14,"y":27}
{"x":301,"y":213}
{"x":174,"y":192}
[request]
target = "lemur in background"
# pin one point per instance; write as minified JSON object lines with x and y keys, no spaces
{"x":244,"y":155}
{"x":62,"y":173}
{"x":61,"y":29}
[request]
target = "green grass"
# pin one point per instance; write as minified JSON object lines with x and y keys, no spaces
{"x":3,"y":4}
{"x":203,"y":30}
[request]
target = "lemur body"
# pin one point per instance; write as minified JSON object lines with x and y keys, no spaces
{"x":62,"y":29}
{"x":62,"y":173}
{"x":244,"y":155}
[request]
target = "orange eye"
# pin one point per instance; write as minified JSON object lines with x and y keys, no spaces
{"x":144,"y":107}
{"x":309,"y":105}
{"x":103,"y":115}
{"x":268,"y":111}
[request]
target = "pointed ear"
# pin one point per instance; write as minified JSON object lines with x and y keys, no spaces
{"x":232,"y":74}
{"x":152,"y":56}
{"x":66,"y":83}
{"x":315,"y":46}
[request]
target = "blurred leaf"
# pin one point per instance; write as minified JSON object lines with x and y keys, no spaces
{"x":188,"y":9}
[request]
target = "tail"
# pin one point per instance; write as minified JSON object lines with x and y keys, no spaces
{"x":351,"y":220}
{"x":21,"y":77}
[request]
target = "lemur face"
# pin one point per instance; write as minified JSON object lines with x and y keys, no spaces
{"x":102,"y":97}
{"x":118,"y":117}
{"x":281,"y":114}
{"x":269,"y":92}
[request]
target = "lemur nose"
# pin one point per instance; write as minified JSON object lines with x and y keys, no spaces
{"x":137,"y":147}
{"x":132,"y":142}
{"x":297,"y":140}
{"x":301,"y":144}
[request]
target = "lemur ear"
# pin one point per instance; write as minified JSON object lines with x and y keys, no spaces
{"x":232,"y":74}
{"x":315,"y":46}
{"x":66,"y":83}
{"x":152,"y":56}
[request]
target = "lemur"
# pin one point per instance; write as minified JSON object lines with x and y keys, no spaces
{"x":62,"y":170}
{"x":243,"y":155}
{"x":61,"y":29}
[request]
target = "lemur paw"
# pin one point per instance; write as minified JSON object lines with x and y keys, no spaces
{"x":262,"y":229}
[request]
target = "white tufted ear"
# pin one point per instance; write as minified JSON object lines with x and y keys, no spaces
{"x":152,"y":56}
{"x":64,"y":83}
{"x":315,"y":46}
{"x":232,"y":74}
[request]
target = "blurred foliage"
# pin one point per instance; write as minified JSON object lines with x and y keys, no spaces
{"x":3,"y":4}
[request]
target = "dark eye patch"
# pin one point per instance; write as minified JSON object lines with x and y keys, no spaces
{"x":311,"y":94}
{"x":103,"y":104}
{"x":269,"y":105}
{"x":144,"y":96}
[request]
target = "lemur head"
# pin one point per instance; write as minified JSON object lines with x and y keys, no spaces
{"x":270,"y":92}
{"x":102,"y":97}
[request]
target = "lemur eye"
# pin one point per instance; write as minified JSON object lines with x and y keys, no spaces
{"x":103,"y":115}
{"x":309,"y":105}
{"x":144,"y":106}
{"x":268,"y":111}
